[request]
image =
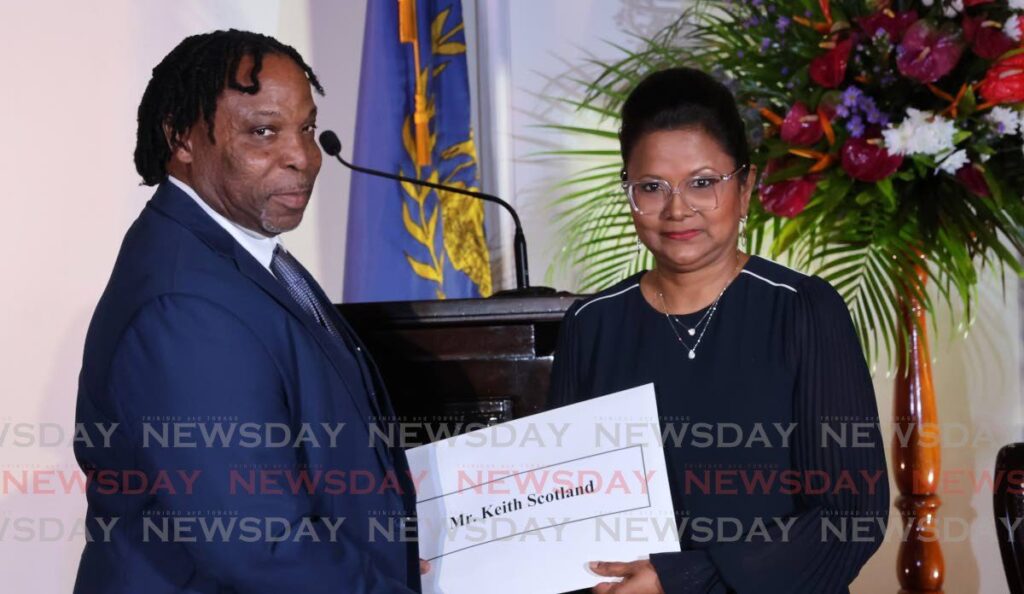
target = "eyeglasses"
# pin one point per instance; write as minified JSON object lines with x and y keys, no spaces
{"x":700,"y":193}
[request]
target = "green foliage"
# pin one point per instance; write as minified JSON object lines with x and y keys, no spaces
{"x":869,"y":239}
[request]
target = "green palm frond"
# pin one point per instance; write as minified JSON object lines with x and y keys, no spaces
{"x":869,"y":240}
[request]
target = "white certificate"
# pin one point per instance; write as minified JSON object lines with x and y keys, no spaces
{"x":525,"y":505}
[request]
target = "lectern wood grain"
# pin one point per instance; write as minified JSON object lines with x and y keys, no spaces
{"x":437,"y":357}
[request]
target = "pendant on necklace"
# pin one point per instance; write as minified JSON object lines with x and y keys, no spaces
{"x":692,"y":355}
{"x":691,"y":331}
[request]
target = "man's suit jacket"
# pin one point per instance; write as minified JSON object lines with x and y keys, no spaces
{"x":192,"y":329}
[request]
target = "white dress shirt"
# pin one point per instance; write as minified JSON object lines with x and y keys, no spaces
{"x":260,"y":246}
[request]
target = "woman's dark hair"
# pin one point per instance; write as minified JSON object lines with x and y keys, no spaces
{"x":186,"y":84}
{"x":679,"y":98}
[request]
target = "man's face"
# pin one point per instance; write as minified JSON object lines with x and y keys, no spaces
{"x":260,"y":171}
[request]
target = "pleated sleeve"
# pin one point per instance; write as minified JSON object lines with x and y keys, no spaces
{"x":834,"y":532}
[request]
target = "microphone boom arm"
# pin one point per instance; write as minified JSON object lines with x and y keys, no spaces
{"x":519,"y":242}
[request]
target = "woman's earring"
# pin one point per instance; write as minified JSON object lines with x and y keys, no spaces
{"x":743,"y":232}
{"x":639,"y":245}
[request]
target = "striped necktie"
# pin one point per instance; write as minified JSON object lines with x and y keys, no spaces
{"x":288,"y":270}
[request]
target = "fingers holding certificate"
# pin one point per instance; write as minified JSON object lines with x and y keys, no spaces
{"x":550,"y":492}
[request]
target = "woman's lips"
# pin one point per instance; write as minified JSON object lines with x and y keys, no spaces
{"x":682,"y":235}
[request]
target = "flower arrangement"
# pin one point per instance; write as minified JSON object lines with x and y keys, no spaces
{"x":888,"y":136}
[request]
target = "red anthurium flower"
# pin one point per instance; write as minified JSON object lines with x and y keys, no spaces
{"x":866,"y":160}
{"x":973,"y":179}
{"x":1004,"y":81}
{"x":986,"y":37}
{"x":829,"y":69}
{"x":893,"y":23}
{"x":927,"y":53}
{"x":786,"y":198}
{"x":801,"y":127}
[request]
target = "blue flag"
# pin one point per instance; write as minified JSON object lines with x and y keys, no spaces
{"x":407,"y":242}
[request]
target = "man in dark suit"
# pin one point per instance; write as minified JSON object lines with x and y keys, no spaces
{"x":243,"y":459}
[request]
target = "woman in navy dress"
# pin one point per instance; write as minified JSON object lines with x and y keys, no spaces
{"x":733,"y":342}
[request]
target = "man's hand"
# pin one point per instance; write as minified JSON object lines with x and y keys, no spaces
{"x":639,"y":577}
{"x":424,"y":566}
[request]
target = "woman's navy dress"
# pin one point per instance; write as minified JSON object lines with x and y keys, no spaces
{"x":772,"y":426}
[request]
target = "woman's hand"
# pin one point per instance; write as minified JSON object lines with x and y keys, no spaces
{"x":639,"y":577}
{"x":424,"y":566}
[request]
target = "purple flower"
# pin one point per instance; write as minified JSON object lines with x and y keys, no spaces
{"x":782,"y":23}
{"x":842,"y":111}
{"x":765,"y":44}
{"x":855,"y":126}
{"x":785,"y":71}
{"x":739,"y":54}
{"x":866,"y":103}
{"x":875,"y":116}
{"x":851,"y":96}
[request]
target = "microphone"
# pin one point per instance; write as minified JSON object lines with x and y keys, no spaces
{"x":332,"y":146}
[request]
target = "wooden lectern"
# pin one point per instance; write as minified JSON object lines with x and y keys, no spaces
{"x":463,"y":360}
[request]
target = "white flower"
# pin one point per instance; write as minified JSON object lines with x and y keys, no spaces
{"x":1012,"y":27}
{"x":927,"y":2}
{"x":922,"y":132}
{"x":897,"y":140}
{"x":1006,"y":121}
{"x":953,"y":162}
{"x":1017,"y":4}
{"x":951,"y":8}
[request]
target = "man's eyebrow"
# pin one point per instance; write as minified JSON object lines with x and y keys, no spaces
{"x":275,"y":113}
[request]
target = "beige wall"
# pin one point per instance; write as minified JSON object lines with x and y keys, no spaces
{"x":74,"y":72}
{"x":73,"y":75}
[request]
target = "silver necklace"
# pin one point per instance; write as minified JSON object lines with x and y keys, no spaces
{"x":710,"y":313}
{"x":689,"y":330}
{"x":691,"y":352}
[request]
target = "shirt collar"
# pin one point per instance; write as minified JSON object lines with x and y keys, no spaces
{"x":259,"y":246}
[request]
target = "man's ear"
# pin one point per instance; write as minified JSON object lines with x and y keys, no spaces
{"x":179,"y":143}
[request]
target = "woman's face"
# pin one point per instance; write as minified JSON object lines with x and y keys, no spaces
{"x":680,"y":239}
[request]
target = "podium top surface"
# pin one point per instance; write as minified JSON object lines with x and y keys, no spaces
{"x":508,"y":309}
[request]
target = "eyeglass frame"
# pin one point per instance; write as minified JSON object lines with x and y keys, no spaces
{"x":627,"y":184}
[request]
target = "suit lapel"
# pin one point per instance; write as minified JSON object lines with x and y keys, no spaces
{"x":176,"y":204}
{"x":402,"y":469}
{"x":330,"y":345}
{"x":343,"y":326}
{"x":387,"y":412}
